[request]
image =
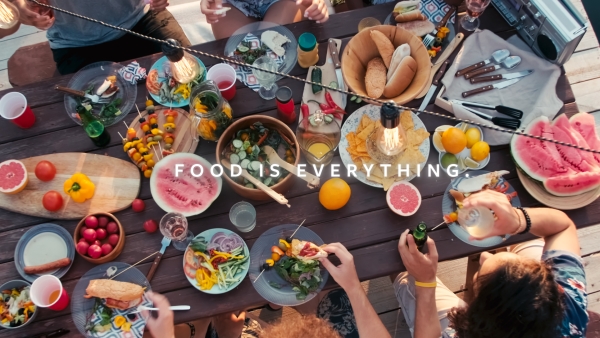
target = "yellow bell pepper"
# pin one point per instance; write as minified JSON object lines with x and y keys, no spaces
{"x":199,"y":107}
{"x":285,"y":243}
{"x":227,"y":110}
{"x":432,"y":53}
{"x":119,"y":321}
{"x":79,"y":187}
{"x":184,"y":90}
{"x":172,"y":125}
{"x":443,"y":32}
{"x":215,"y":256}
{"x":126,"y":327}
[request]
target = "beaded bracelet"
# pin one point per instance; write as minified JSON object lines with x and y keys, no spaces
{"x":527,"y":221}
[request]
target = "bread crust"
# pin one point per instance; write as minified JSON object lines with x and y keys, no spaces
{"x":410,"y":16}
{"x":121,"y":291}
{"x":402,"y":78}
{"x":417,"y":27}
{"x":375,"y":78}
{"x":384,"y":46}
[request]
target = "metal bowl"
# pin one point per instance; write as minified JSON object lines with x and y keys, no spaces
{"x":12,"y":285}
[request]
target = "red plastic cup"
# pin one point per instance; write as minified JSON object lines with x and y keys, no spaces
{"x":13,"y":107}
{"x":43,"y":293}
{"x":224,"y":76}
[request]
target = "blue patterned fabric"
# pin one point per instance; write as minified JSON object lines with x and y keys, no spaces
{"x":434,"y":10}
{"x":336,"y":309}
{"x":255,"y":9}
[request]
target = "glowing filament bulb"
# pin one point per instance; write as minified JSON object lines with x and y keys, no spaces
{"x":9,"y":16}
{"x":186,"y":69}
{"x":390,"y":142}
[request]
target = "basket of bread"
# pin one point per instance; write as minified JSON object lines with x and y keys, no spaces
{"x":386,"y":63}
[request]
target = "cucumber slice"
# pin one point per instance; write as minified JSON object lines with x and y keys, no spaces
{"x":250,"y":185}
{"x":243,"y":49}
{"x":268,"y":181}
{"x":245,"y":163}
{"x":237,"y":143}
{"x":234,"y":159}
{"x":333,"y":84}
{"x":255,"y":165}
{"x":242,"y":154}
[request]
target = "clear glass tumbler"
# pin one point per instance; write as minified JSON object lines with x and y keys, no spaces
{"x":175,"y":227}
{"x":475,"y":8}
{"x":243,"y":216}
{"x":266,"y":80}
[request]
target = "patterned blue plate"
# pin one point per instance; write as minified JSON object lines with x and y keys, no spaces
{"x":42,"y":244}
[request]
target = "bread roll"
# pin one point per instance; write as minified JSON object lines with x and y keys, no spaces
{"x":375,"y":78}
{"x":384,"y":46}
{"x":410,"y":16}
{"x":400,"y":53}
{"x":402,"y":78}
{"x":418,"y":28}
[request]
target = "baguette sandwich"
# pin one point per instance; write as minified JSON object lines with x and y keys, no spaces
{"x":306,"y":250}
{"x":406,"y":11}
{"x":117,"y":295}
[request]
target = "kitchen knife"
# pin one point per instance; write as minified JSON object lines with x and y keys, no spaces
{"x":335,"y":58}
{"x":499,"y":121}
{"x":497,"y":57}
{"x":512,"y":112}
{"x":165,"y":243}
{"x":436,"y":81}
{"x":498,"y":85}
{"x":501,"y":76}
{"x":440,"y":60}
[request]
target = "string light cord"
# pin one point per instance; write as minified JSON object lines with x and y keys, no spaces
{"x":363,"y":97}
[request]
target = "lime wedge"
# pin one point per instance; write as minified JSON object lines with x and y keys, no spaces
{"x":471,"y":163}
{"x":442,"y":128}
{"x":437,"y":142}
{"x":461,"y":164}
{"x":464,"y":127}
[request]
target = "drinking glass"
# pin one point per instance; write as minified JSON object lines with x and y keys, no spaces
{"x":224,"y":76}
{"x":175,"y":227}
{"x":475,"y":8}
{"x":477,"y":221}
{"x":266,"y":80}
{"x":47,"y":291}
{"x":368,"y":22}
{"x":243,"y":216}
{"x":13,"y":107}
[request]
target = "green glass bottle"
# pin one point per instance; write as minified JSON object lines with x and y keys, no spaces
{"x":93,"y":127}
{"x":420,"y":235}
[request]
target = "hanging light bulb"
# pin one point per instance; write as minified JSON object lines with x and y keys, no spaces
{"x":389,"y":139}
{"x":9,"y":15}
{"x":185,"y":67}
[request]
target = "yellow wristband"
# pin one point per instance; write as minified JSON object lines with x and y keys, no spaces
{"x":426,"y":285}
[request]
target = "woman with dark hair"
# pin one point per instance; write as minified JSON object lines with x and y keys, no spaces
{"x":537,"y":289}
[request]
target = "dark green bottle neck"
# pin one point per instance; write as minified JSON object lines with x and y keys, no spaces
{"x":86,"y":116}
{"x":420,"y":231}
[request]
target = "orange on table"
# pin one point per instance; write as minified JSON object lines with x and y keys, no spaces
{"x":334,"y":194}
{"x":454,"y":140}
{"x":480,"y":151}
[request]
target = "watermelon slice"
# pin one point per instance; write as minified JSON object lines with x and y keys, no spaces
{"x":403,"y":198}
{"x":580,"y":161}
{"x":585,"y":124}
{"x":13,"y":177}
{"x":575,"y":184}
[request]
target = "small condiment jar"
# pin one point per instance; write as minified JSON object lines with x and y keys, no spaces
{"x":308,"y":50}
{"x":285,"y":105}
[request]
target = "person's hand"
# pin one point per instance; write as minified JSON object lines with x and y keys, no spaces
{"x":345,"y":273}
{"x":28,"y":16}
{"x":507,"y":217}
{"x":229,"y":325}
{"x":161,"y":326}
{"x":159,"y":5}
{"x":421,"y":266}
{"x":316,"y":10}
{"x":213,"y":9}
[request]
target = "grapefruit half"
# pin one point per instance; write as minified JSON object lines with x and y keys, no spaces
{"x":13,"y":177}
{"x":403,"y":198}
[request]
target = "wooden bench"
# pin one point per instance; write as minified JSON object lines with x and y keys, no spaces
{"x":31,"y":64}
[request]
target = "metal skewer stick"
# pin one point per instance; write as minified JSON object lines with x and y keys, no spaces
{"x":298,"y":228}
{"x":126,"y":126}
{"x":143,"y":259}
{"x":121,"y":136}
{"x":437,"y":226}
{"x":138,"y":110}
{"x":260,"y":274}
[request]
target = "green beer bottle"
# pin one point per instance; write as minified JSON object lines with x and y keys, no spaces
{"x":420,"y":235}
{"x":93,"y":127}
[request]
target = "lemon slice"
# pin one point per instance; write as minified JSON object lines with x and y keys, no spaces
{"x":471,"y":163}
{"x":437,"y":142}
{"x":442,"y":128}
{"x":461,"y":164}
{"x":464,"y":127}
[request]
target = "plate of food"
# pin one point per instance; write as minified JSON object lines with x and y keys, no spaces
{"x":102,"y":79}
{"x":294,"y":275}
{"x":461,"y":145}
{"x":263,"y":38}
{"x":216,"y":261}
{"x":353,"y":147}
{"x":101,"y":307}
{"x":44,"y":249}
{"x":165,"y":90}
{"x":16,"y":307}
{"x":469,"y":183}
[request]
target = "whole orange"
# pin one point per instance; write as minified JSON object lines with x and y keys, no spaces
{"x":334,"y":194}
{"x":454,"y":140}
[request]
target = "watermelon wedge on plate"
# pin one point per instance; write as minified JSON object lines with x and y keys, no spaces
{"x":403,"y":198}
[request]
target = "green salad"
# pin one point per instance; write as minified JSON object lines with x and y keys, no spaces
{"x":303,"y":275}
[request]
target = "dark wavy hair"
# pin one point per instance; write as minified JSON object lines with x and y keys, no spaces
{"x":519,"y":299}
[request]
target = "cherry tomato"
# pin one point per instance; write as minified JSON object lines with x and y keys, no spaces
{"x":453,"y":216}
{"x":45,"y":171}
{"x":275,"y":256}
{"x":190,"y":259}
{"x":52,"y":200}
{"x":189,"y":271}
{"x":277,"y":250}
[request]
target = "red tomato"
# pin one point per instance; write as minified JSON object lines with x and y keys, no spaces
{"x":52,"y":200}
{"x":45,"y":171}
{"x":189,"y":271}
{"x":190,"y":259}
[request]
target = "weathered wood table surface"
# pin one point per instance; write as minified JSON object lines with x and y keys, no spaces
{"x":365,"y":225}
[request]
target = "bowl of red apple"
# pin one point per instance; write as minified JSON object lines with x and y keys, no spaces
{"x":99,"y":238}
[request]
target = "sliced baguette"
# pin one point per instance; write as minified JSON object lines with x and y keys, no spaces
{"x":402,"y":78}
{"x":384,"y":46}
{"x":410,"y":16}
{"x":375,"y":78}
{"x":418,"y":27}
{"x":400,"y":53}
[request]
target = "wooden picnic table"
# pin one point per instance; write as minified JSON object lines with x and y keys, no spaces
{"x":366,"y":225}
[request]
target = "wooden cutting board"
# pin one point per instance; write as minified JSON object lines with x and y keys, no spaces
{"x":117,"y":185}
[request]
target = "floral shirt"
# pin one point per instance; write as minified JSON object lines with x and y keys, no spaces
{"x":570,"y":275}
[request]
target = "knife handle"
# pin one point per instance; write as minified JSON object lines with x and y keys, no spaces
{"x":154,"y":266}
{"x":446,"y":18}
{"x":480,"y":71}
{"x":477,"y":91}
{"x":335,"y":57}
{"x":440,"y":73}
{"x":70,"y":91}
{"x":486,"y":78}
{"x":470,"y":68}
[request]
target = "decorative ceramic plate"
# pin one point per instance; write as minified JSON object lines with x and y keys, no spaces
{"x":449,"y":205}
{"x":261,"y":250}
{"x":43,"y":244}
{"x":86,"y":315}
{"x":161,"y":65}
{"x":216,"y":290}
{"x":373,"y":112}
{"x":463,"y":154}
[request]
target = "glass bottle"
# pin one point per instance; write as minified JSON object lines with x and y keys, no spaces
{"x":420,"y":235}
{"x":308,"y":50}
{"x":93,"y":127}
{"x":285,"y":105}
{"x":318,"y":136}
{"x":477,"y":221}
{"x":212,"y":113}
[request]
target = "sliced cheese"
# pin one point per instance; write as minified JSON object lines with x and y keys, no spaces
{"x":274,"y":41}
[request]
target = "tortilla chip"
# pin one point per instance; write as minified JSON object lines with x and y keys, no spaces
{"x":365,"y":121}
{"x":375,"y":179}
{"x":351,"y":137}
{"x":387,"y":183}
{"x":416,"y":137}
{"x":406,"y":120}
{"x":376,"y":171}
{"x":361,"y":146}
{"x":365,"y":132}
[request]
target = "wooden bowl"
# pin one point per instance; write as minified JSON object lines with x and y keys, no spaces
{"x":116,"y":250}
{"x":270,"y":123}
{"x":361,"y":49}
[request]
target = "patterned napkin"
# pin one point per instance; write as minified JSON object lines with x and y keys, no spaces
{"x":138,"y":324}
{"x":133,"y":72}
{"x":244,"y":74}
{"x":435,"y":10}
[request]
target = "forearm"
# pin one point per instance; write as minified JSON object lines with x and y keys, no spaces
{"x":557,"y":229}
{"x":367,"y":320}
{"x":427,"y":323}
